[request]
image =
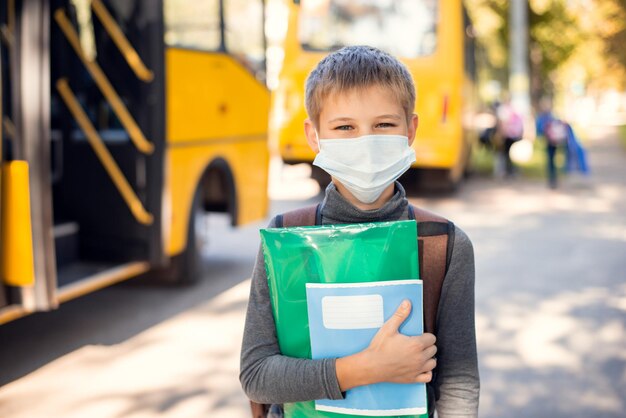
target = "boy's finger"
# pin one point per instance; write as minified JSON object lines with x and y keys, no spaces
{"x":427,"y":339}
{"x":398,"y":317}
{"x":429,"y":365}
{"x":424,"y":341}
{"x":430,"y":351}
{"x":424,"y":377}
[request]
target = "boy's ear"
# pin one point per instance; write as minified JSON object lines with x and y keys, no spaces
{"x":311,"y":138}
{"x":413,"y":123}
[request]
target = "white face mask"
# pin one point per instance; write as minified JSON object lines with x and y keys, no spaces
{"x":366,"y":165}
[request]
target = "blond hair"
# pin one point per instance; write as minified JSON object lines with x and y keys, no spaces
{"x":358,"y":67}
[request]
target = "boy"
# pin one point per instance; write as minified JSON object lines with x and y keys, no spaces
{"x":361,"y":124}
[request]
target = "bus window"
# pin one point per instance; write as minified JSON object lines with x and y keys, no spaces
{"x":96,"y":44}
{"x":193,"y":24}
{"x":245,"y":38}
{"x":410,"y":26}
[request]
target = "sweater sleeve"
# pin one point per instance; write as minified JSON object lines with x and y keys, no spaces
{"x":457,"y":385}
{"x":265,"y":374}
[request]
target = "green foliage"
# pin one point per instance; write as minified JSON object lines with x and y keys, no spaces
{"x":481,"y":162}
{"x":536,"y":167}
{"x":590,"y":32}
{"x":555,"y":32}
{"x":483,"y":159}
{"x":622,"y":135}
{"x":613,"y":31}
{"x":490,"y":20}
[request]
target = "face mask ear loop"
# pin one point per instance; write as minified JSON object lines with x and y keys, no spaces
{"x":319,"y":144}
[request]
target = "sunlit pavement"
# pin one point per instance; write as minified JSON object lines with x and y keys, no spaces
{"x":551,"y":312}
{"x":183,"y":367}
{"x":550,"y":290}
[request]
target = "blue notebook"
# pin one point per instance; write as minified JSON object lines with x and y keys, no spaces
{"x":343,"y":319}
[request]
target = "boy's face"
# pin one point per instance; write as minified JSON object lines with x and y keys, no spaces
{"x":369,"y":111}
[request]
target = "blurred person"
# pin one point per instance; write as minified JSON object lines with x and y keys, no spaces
{"x":487,"y":123}
{"x":555,"y":133}
{"x":360,"y":103}
{"x":510,"y":129}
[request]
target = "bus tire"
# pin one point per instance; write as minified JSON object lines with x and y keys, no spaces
{"x":320,"y":176}
{"x":451,"y":182}
{"x":185,"y":269}
{"x":439,"y":180}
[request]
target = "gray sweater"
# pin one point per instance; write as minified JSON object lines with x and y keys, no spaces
{"x":269,"y":377}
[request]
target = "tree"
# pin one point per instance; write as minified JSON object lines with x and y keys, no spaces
{"x":616,"y":40}
{"x":589,"y":34}
{"x":553,"y":36}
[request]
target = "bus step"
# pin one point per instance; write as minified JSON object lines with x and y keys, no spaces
{"x":83,"y":277}
{"x":66,"y":243}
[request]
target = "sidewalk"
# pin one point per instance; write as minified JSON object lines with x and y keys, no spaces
{"x":550,"y":289}
{"x":187,"y":367}
{"x":550,"y":306}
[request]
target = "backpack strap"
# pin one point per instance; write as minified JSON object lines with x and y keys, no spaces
{"x":435,"y":244}
{"x":308,"y":216}
{"x":259,"y":410}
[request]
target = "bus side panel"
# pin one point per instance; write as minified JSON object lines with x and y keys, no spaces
{"x":440,"y":95}
{"x":290,"y":112}
{"x":439,"y":80}
{"x":211,"y":96}
{"x":288,"y":102}
{"x":215,"y":109}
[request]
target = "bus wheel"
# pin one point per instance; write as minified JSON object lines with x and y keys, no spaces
{"x":186,"y":268}
{"x":320,"y":176}
{"x":439,"y":181}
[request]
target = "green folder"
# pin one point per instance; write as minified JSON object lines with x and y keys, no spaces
{"x":348,"y":253}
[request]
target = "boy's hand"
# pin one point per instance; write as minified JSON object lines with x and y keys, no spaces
{"x":398,"y":358}
{"x":390,"y":357}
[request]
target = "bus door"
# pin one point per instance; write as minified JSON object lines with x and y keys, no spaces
{"x":26,"y":243}
{"x":4,"y":301}
{"x":107,"y":139}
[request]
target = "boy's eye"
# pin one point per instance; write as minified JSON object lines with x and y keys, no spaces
{"x":385,"y":125}
{"x":343,"y":128}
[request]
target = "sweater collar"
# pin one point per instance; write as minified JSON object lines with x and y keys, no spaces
{"x":337,"y":210}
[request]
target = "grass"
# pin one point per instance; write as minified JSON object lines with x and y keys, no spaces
{"x":483,"y":159}
{"x":622,"y":135}
{"x":536,"y":166}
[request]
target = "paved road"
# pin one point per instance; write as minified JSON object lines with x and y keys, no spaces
{"x":551,"y":313}
{"x":551,"y":290}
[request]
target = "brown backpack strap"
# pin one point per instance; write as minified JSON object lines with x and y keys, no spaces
{"x":435,"y":240}
{"x":307,"y":216}
{"x":259,"y":410}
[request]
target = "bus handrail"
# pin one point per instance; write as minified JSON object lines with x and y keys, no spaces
{"x":126,"y":119}
{"x":103,"y":154}
{"x":11,"y":16}
{"x":128,"y":52}
{"x":6,"y":30}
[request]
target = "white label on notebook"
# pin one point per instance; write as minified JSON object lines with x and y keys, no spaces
{"x":352,"y":312}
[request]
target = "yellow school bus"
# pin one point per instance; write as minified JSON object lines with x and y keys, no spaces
{"x":433,"y":38}
{"x":124,"y":123}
